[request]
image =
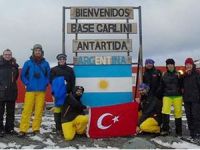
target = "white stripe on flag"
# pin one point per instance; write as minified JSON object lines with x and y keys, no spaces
{"x":103,"y":84}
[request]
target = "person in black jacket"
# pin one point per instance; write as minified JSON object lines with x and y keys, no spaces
{"x":8,"y":91}
{"x":191,"y":97}
{"x":170,"y":87}
{"x":74,"y":120}
{"x":152,"y":77}
{"x":62,"y":70}
{"x":151,"y":106}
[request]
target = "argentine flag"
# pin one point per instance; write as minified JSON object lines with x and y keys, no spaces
{"x":105,"y":84}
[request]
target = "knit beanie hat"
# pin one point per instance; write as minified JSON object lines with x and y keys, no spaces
{"x":189,"y":61}
{"x":143,"y":86}
{"x":38,"y":46}
{"x":59,"y":56}
{"x":149,"y":61}
{"x":170,"y":61}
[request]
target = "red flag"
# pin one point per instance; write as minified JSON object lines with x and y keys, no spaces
{"x":112,"y":121}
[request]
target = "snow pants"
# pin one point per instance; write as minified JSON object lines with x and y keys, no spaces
{"x":176,"y":101}
{"x":150,"y":125}
{"x":34,"y":102}
{"x":9,"y":106}
{"x":193,"y":118}
{"x":57,"y":118}
{"x":76,"y":126}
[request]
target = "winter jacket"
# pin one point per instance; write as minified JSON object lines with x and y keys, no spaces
{"x":35,"y":75}
{"x":67,"y":72}
{"x":72,"y":108}
{"x":8,"y":79}
{"x":171,"y":84}
{"x":59,"y":90}
{"x":152,"y":78}
{"x":191,"y":86}
{"x":151,"y":107}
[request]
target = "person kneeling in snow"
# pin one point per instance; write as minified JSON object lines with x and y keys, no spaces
{"x":151,"y":106}
{"x":73,"y":117}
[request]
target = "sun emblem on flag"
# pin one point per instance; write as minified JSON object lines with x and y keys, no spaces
{"x":103,"y":84}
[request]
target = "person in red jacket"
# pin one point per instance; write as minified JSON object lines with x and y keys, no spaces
{"x":191,"y":98}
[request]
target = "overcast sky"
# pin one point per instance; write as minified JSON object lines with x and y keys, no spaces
{"x":171,"y":28}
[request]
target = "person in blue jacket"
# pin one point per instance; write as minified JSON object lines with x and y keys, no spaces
{"x":62,"y":79}
{"x":35,"y":77}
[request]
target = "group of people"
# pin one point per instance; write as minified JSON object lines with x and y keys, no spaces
{"x":36,"y":74}
{"x":159,"y":91}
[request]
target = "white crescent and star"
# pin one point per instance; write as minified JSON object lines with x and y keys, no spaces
{"x":99,"y":121}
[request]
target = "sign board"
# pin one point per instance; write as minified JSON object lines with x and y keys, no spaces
{"x":101,"y":28}
{"x":102,"y":45}
{"x":102,"y":60}
{"x":101,"y":13}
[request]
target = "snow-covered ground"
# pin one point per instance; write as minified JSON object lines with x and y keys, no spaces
{"x":48,"y":139}
{"x":172,"y":142}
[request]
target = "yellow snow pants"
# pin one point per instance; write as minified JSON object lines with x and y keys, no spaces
{"x":34,"y":102}
{"x":150,"y":125}
{"x":176,"y":101}
{"x":78,"y":125}
{"x":57,"y":109}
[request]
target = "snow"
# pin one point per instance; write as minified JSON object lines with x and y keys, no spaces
{"x":36,"y":138}
{"x":177,"y":145}
{"x":3,"y":145}
{"x":29,"y":147}
{"x":48,"y":140}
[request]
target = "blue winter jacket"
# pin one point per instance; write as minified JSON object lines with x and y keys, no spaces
{"x":59,"y":90}
{"x":35,"y":76}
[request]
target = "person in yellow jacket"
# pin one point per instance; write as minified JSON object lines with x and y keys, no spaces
{"x":35,"y":77}
{"x":74,"y":121}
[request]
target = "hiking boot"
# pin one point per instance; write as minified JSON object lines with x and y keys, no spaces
{"x":57,"y":119}
{"x":164,"y":133}
{"x":178,"y":124}
{"x":11,"y":132}
{"x":59,"y":132}
{"x":165,"y":125}
{"x":195,"y":141}
{"x":21,"y":134}
{"x":36,"y":132}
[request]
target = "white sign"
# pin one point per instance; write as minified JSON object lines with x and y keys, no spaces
{"x":102,"y":28}
{"x":101,"y":13}
{"x":103,"y":45}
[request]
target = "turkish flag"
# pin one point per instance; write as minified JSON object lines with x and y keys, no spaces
{"x":112,"y":121}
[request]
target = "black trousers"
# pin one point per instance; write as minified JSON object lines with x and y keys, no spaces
{"x":9,"y":108}
{"x":192,"y":111}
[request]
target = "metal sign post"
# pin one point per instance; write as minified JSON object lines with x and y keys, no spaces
{"x":105,"y":28}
